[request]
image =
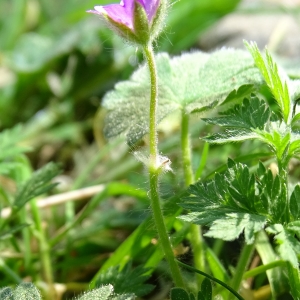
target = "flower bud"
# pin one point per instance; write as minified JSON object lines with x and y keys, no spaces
{"x":137,"y":21}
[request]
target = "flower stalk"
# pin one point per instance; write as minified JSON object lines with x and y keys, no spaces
{"x":155,"y":169}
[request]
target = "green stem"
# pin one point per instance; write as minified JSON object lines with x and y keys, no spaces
{"x":263,"y":268}
{"x":44,"y":249}
{"x":186,"y":150}
{"x":242,"y":265}
{"x":154,"y":170}
{"x":9,"y":272}
{"x":195,"y":230}
{"x":213,"y":279}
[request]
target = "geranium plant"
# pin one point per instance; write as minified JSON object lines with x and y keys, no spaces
{"x":252,"y":200}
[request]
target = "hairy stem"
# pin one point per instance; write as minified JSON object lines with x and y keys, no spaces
{"x":195,"y":230}
{"x":154,"y":170}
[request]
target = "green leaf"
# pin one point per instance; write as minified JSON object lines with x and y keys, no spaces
{"x":10,"y":145}
{"x":200,"y":296}
{"x":278,"y":137}
{"x":228,"y":204}
{"x":37,"y":185}
{"x":232,"y":225}
{"x":277,"y":80}
{"x":288,"y":245}
{"x":242,"y":121}
{"x":127,"y":280}
{"x":193,"y":82}
{"x":26,"y":291}
{"x":206,"y":289}
{"x":272,"y":194}
{"x":9,"y":233}
{"x":179,"y":294}
{"x":295,"y":203}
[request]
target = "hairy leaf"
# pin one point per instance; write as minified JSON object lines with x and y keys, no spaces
{"x":242,"y":121}
{"x":37,"y":185}
{"x":193,"y":82}
{"x":26,"y":291}
{"x":277,"y":81}
{"x":6,"y":294}
{"x":103,"y":293}
{"x":127,"y":280}
{"x":288,"y":245}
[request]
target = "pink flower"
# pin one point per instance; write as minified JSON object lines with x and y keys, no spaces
{"x":133,"y":18}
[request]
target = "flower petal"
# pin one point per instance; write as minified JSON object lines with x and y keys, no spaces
{"x":150,"y":7}
{"x":120,"y":13}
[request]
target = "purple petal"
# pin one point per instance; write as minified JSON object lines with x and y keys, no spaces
{"x":123,"y":13}
{"x":120,"y":13}
{"x":150,"y":7}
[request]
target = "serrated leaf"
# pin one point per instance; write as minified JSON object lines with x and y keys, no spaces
{"x":232,"y":225}
{"x":278,"y":137}
{"x":230,"y":135}
{"x":272,"y":195}
{"x":242,"y":121}
{"x":288,"y":245}
{"x":277,"y":81}
{"x":127,"y":280}
{"x":192,"y":81}
{"x":37,"y":185}
{"x":228,"y":205}
{"x":26,"y":291}
{"x":179,"y":294}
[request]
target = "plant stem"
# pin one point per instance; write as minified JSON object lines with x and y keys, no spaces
{"x":186,"y":150}
{"x":195,"y":230}
{"x":9,"y":272}
{"x":241,"y":267}
{"x":44,"y":250}
{"x":154,"y":170}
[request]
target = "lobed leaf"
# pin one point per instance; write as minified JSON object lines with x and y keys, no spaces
{"x":228,"y":204}
{"x":242,"y":121}
{"x":193,"y":82}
